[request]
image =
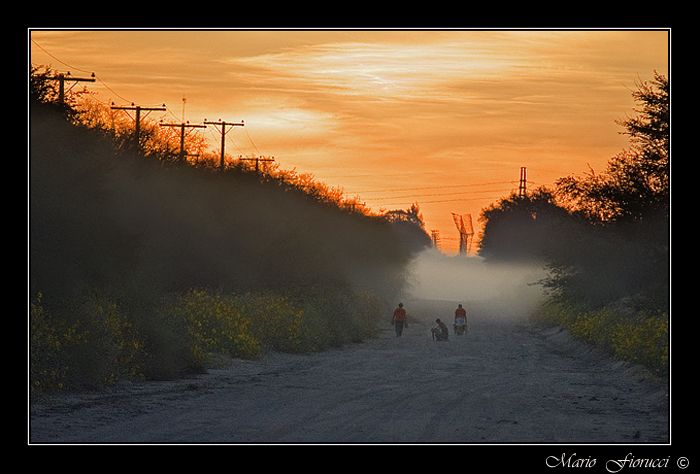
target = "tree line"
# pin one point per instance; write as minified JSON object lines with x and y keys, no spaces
{"x":141,"y":266}
{"x":604,"y":237}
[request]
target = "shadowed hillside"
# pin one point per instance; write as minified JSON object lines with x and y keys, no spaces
{"x":118,"y":241}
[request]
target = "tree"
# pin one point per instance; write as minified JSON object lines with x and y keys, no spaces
{"x":623,"y":250}
{"x":412,"y":215}
{"x":43,"y":92}
{"x":410,"y":227}
{"x":522,"y":228}
{"x":41,"y":89}
{"x":635,"y":185}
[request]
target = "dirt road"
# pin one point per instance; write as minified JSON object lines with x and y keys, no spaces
{"x":505,"y":381}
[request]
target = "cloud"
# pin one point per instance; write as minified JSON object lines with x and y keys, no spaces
{"x":443,"y":106}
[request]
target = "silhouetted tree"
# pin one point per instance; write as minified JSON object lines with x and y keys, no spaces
{"x":636,"y":182}
{"x":623,"y":251}
{"x":41,"y":89}
{"x":410,"y":227}
{"x":43,"y":93}
{"x":523,"y":228}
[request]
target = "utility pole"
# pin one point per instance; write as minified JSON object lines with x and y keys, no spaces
{"x":62,"y":78}
{"x":223,"y":132}
{"x":257,"y":160}
{"x":183,"y":126}
{"x":137,"y":120}
{"x":522,"y":187}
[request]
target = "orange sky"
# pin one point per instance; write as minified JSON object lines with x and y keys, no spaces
{"x":442,"y":118}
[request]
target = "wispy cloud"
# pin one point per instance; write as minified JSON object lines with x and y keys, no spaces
{"x":441,"y":106}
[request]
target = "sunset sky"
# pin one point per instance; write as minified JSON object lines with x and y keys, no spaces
{"x":442,"y":118}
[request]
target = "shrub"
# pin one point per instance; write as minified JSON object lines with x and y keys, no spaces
{"x":215,"y":324}
{"x":104,"y":347}
{"x":333,"y":317}
{"x":47,"y":336}
{"x":84,"y":343}
{"x":643,"y":340}
{"x":620,"y":329}
{"x":167,"y":343}
{"x":275,"y":320}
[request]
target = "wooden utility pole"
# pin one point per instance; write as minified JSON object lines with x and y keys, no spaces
{"x":137,"y":120}
{"x":62,"y":78}
{"x":223,"y":132}
{"x":257,"y":160}
{"x":182,"y":126}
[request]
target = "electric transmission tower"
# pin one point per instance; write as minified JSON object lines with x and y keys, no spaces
{"x":522,"y":186}
{"x":435,"y":236}
{"x":466,"y":231}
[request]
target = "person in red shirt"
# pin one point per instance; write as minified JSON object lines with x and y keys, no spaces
{"x":399,"y":320}
{"x":460,"y":324}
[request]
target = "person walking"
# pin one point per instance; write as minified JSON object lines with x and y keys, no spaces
{"x":460,"y":324}
{"x":399,"y":320}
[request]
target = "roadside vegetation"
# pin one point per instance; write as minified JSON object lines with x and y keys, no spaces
{"x":604,"y":238}
{"x":144,"y":266}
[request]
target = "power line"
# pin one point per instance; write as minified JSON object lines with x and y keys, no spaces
{"x":62,"y":78}
{"x":137,"y":120}
{"x":429,"y":187}
{"x":54,"y":57}
{"x":182,"y":126}
{"x":223,"y":132}
{"x":443,"y":200}
{"x":110,"y":89}
{"x":99,"y":79}
{"x":417,"y":173}
{"x":235,"y":145}
{"x":229,"y":140}
{"x":251,"y":141}
{"x":257,"y":160}
{"x":437,"y":194}
{"x":172,"y":115}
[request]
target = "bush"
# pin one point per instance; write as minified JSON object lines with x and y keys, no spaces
{"x":311,"y":321}
{"x":105,"y":347}
{"x":620,"y":329}
{"x":47,"y":337}
{"x":215,"y":325}
{"x":168,"y":346}
{"x":124,"y":227}
{"x":643,"y":341}
{"x":333,"y":317}
{"x":275,"y":320}
{"x":86,"y":343}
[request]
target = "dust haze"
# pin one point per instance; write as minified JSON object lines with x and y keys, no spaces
{"x":494,"y":290}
